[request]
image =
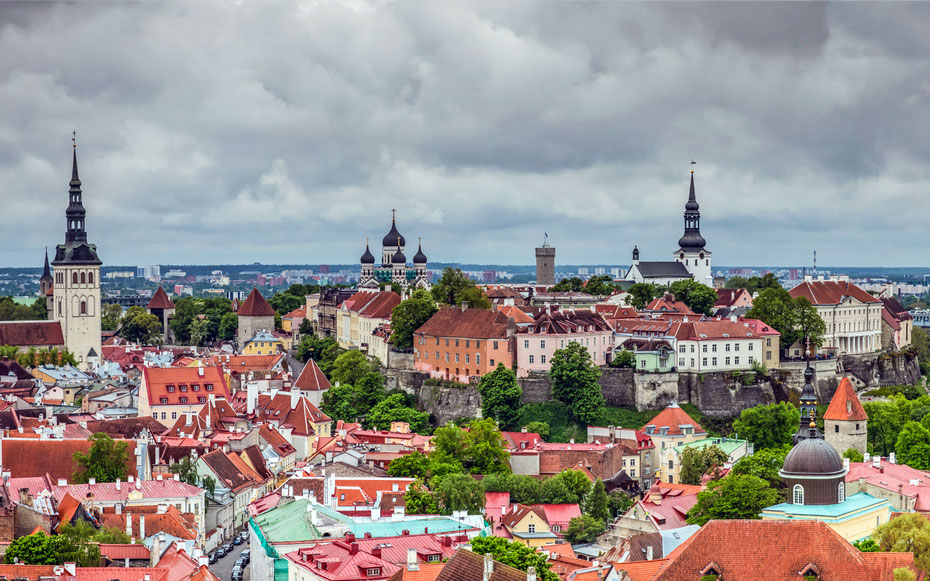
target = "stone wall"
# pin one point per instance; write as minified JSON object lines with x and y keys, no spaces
{"x":618,"y":386}
{"x":876,"y":370}
{"x":406,"y":380}
{"x":655,"y":390}
{"x":721,"y":394}
{"x":536,"y":388}
{"x":446,"y":404}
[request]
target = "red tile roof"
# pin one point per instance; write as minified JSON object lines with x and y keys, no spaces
{"x":228,"y":474}
{"x":298,"y":313}
{"x":740,"y":549}
{"x":174,"y":383}
{"x":559,"y":514}
{"x":672,"y":417}
{"x":381,"y":306}
{"x":667,"y":303}
{"x":831,"y":292}
{"x":160,"y":300}
{"x":172,"y":521}
{"x":121,"y":552}
{"x":467,"y":566}
{"x":672,"y":510}
{"x":470,"y":323}
{"x":567,"y":322}
{"x":30,"y":457}
{"x":845,"y":404}
{"x":242,"y":364}
{"x":519,"y":315}
{"x":728,"y":296}
{"x":312,"y":378}
{"x":913,"y":483}
{"x":300,"y":417}
{"x":255,"y":306}
{"x":710,"y":330}
{"x":758,"y":327}
{"x":276,"y":440}
{"x":29,"y":333}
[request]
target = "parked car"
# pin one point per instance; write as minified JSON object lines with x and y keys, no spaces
{"x":237,"y":540}
{"x":245,"y":555}
{"x":237,"y":573}
{"x":213,"y":557}
{"x":227,"y":548}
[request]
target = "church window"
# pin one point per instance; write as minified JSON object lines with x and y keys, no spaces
{"x":83,"y":278}
{"x":798,"y":494}
{"x":74,"y":277}
{"x":841,"y":492}
{"x":83,"y":307}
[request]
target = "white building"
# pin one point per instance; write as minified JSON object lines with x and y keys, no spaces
{"x":706,"y":346}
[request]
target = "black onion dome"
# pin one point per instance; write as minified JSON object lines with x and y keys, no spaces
{"x":393,"y":238}
{"x":813,"y":457}
{"x":368,"y":258}
{"x":399,"y":257}
{"x":692,"y":240}
{"x":419,"y":257}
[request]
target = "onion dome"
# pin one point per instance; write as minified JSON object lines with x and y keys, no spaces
{"x":368,"y":257}
{"x":419,"y":257}
{"x":399,"y":257}
{"x":813,"y":457}
{"x":393,"y":237}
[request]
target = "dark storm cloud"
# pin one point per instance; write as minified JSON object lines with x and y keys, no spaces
{"x":285,"y":132}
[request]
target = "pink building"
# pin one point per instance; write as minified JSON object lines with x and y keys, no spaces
{"x":537,"y":343}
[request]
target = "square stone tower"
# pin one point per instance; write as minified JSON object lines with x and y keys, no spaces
{"x":545,"y":264}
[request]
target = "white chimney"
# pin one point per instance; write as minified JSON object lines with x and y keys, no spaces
{"x":866,"y":457}
{"x":412,"y":563}
{"x":891,"y":458}
{"x":200,"y":371}
{"x":295,"y":398}
{"x":92,"y":481}
{"x":71,"y":568}
{"x":531,"y":573}
{"x":648,"y":552}
{"x":118,"y":484}
{"x":488,"y":567}
{"x":141,"y":526}
{"x":313,"y":516}
{"x":846,"y":463}
{"x":204,"y":561}
{"x":877,"y":461}
{"x":62,"y":482}
{"x":375,"y":513}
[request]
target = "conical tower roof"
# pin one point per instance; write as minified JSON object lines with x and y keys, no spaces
{"x":160,"y":300}
{"x":845,"y":405}
{"x":255,"y":306}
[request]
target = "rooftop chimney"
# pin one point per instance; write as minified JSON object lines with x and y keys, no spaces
{"x":62,"y":482}
{"x":464,"y":305}
{"x":412,"y":564}
{"x":488,"y":567}
{"x":531,"y":573}
{"x":71,"y":568}
{"x":648,"y":552}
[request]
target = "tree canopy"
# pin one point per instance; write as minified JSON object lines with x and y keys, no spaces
{"x":394,"y":408}
{"x":455,"y":288}
{"x":764,"y":464}
{"x":583,"y":529}
{"x":515,"y":555}
{"x":105,"y":461}
{"x":140,"y":327}
{"x":500,"y":395}
{"x":698,"y":461}
{"x":795,"y":318}
{"x":913,"y":446}
{"x":574,"y":382}
{"x":409,"y":316}
{"x":733,"y":497}
{"x":908,"y":533}
{"x":700,"y":298}
{"x":754,"y":284}
{"x":768,"y":426}
{"x":460,"y":492}
{"x":643,"y":293}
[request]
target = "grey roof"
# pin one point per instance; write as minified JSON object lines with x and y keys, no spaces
{"x":670,"y":269}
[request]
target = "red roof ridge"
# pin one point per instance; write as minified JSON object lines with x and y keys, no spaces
{"x":160,"y":300}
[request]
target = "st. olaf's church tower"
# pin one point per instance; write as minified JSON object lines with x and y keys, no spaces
{"x":76,"y":281}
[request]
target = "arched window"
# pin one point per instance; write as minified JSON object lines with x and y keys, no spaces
{"x":841,"y":492}
{"x":798,"y":497}
{"x":74,"y":277}
{"x":90,"y":277}
{"x":83,"y":278}
{"x":83,"y":307}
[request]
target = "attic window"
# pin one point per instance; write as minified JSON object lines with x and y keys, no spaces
{"x":182,"y":388}
{"x":183,"y":400}
{"x":195,"y":387}
{"x":170,"y":389}
{"x":711,"y":569}
{"x":164,"y":400}
{"x":811,"y":571}
{"x":209,"y":387}
{"x":202,"y":399}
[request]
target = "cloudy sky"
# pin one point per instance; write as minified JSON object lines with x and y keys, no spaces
{"x":234,"y":132}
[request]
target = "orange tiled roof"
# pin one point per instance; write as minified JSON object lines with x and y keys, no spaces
{"x":673,"y":417}
{"x":831,"y":292}
{"x":160,"y":300}
{"x":845,"y":404}
{"x":255,"y":306}
{"x":183,"y":385}
{"x":312,"y":378}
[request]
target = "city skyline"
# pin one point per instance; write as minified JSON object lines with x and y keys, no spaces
{"x":484,"y":125}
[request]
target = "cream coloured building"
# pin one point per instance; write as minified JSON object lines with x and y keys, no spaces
{"x":853,"y":317}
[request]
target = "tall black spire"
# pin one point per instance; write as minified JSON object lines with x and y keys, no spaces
{"x":692,"y":239}
{"x":46,"y":272}
{"x":808,"y":403}
{"x":75,"y":249}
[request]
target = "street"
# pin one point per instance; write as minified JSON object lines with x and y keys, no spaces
{"x":224,"y":566}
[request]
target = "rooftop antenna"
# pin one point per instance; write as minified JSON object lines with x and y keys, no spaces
{"x":545,"y":239}
{"x":815,"y":263}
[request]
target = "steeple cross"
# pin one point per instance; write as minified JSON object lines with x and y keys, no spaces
{"x":693,"y":163}
{"x":393,"y":214}
{"x":74,"y":139}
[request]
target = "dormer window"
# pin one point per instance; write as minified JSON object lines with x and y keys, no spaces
{"x":209,"y":387}
{"x":373,"y":571}
{"x":183,"y":388}
{"x":183,"y":400}
{"x":435,"y":558}
{"x":712,"y":570}
{"x":811,"y":571}
{"x":195,"y":387}
{"x":164,"y":400}
{"x":170,"y":389}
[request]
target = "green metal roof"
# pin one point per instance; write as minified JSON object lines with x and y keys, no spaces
{"x":291,"y":522}
{"x":852,"y":507}
{"x":389,"y":528}
{"x":728,"y":445}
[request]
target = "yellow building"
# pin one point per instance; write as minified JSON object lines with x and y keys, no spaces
{"x":672,"y":427}
{"x":263,"y":343}
{"x":528,"y":526}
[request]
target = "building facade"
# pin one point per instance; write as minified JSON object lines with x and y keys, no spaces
{"x":393,"y":269}
{"x":853,"y":317}
{"x":538,"y":342}
{"x":462,"y":343}
{"x":708,"y":346}
{"x":76,"y":287}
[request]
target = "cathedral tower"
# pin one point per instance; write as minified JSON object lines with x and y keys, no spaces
{"x":76,"y":287}
{"x":45,"y":289}
{"x":691,"y":251}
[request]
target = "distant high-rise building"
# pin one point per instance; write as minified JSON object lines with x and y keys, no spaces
{"x":489,"y":276}
{"x":582,"y":270}
{"x":545,"y":263}
{"x":324,"y":269}
{"x":148,"y":271}
{"x":600,"y":271}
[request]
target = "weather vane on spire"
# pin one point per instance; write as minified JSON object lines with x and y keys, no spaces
{"x":74,"y":139}
{"x":693,"y":163}
{"x":393,"y":214}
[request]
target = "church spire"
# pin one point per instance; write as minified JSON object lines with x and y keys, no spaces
{"x":692,"y":239}
{"x":75,"y":213}
{"x":46,"y":272}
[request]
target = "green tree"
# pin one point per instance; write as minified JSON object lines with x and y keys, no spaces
{"x":795,"y":318}
{"x":305,"y":328}
{"x":624,"y":358}
{"x":573,"y":284}
{"x":619,"y":502}
{"x":350,"y":367}
{"x":500,"y":395}
{"x":11,"y":311}
{"x":460,"y":492}
{"x":523,"y":489}
{"x":602,"y":285}
{"x":454,"y":288}
{"x":111,"y":536}
{"x":485,"y":452}
{"x":419,"y":500}
{"x":186,"y":471}
{"x":755,"y":283}
{"x":768,"y":426}
{"x":596,"y":504}
{"x":853,"y":455}
{"x":285,"y":302}
{"x":921,"y":342}
{"x":339,"y":403}
{"x":698,"y":461}
{"x":110,"y":316}
{"x":140,"y":327}
{"x":394,"y":408}
{"x":229,"y":324}
{"x":541,"y":428}
{"x":409,"y":316}
{"x":908,"y":533}
{"x":904,"y":574}
{"x":700,"y":298}
{"x":39,"y":309}
{"x":209,"y":484}
{"x":76,"y":545}
{"x":574,"y":382}
{"x":763,"y":464}
{"x":643,"y":293}
{"x":105,"y":461}
{"x":515,"y":555}
{"x":733,"y":497}
{"x":555,"y":491}
{"x":415,"y":465}
{"x":913,"y":446}
{"x":583,"y":529}
{"x":37,"y":549}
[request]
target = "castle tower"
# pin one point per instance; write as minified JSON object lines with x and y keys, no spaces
{"x":162,"y":307}
{"x":845,"y":420}
{"x":45,"y":289}
{"x":76,"y":288}
{"x":545,"y":263}
{"x":691,"y":251}
{"x":255,"y":314}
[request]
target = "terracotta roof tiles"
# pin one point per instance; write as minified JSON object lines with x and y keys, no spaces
{"x":312,"y":378}
{"x":831,"y":292}
{"x":470,"y":323}
{"x":255,"y":306}
{"x":845,"y":405}
{"x":160,"y":300}
{"x":31,"y":333}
